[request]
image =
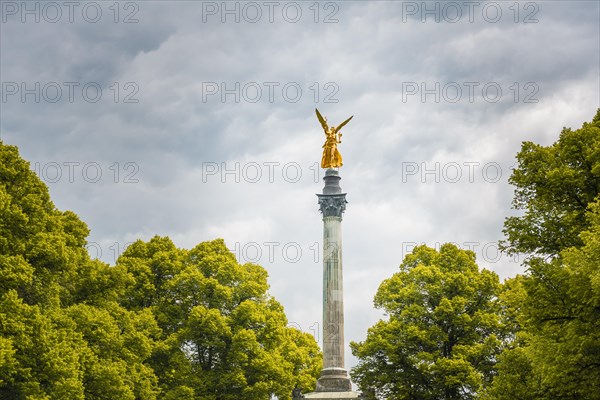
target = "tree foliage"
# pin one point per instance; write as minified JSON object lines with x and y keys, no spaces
{"x":442,"y":333}
{"x":556,"y":353}
{"x":164,"y":323}
{"x":57,"y":342}
{"x":554,"y":185}
{"x":228,"y":338}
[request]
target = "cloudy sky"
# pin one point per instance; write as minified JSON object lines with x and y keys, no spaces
{"x":195,"y":120}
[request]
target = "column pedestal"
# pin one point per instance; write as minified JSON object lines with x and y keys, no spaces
{"x":334,"y":380}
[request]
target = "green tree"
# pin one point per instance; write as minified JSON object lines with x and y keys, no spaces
{"x":514,"y":377}
{"x":224,"y":337}
{"x":71,"y":327}
{"x":556,"y":353}
{"x":163,"y":323}
{"x":442,"y":333}
{"x":62,"y":333}
{"x":554,"y":185}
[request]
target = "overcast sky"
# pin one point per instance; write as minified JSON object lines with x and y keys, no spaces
{"x":195,"y":120}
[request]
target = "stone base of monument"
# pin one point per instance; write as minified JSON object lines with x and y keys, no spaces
{"x":334,"y":380}
{"x":332,"y":395}
{"x":334,"y":383}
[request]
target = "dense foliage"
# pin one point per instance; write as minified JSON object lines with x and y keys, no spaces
{"x":556,"y":351}
{"x":222,"y":336}
{"x":164,"y":323}
{"x":455,"y":333}
{"x":443,"y":330}
{"x":554,"y":186}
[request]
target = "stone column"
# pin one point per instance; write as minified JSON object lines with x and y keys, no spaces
{"x":334,"y":377}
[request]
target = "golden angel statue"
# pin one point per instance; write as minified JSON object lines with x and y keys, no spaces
{"x":331,"y":155}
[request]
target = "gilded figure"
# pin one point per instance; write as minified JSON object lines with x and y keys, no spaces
{"x":331,"y":155}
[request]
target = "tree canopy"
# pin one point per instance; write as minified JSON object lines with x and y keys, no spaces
{"x":164,"y":323}
{"x":555,"y":353}
{"x":554,"y":185}
{"x":454,"y":332}
{"x":227,"y":336}
{"x":442,"y":331}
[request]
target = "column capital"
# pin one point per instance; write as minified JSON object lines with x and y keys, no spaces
{"x":332,"y":205}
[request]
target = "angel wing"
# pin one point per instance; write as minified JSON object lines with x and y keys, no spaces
{"x":322,"y":121}
{"x":343,"y":123}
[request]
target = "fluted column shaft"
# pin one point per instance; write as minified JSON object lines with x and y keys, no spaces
{"x":333,"y":294}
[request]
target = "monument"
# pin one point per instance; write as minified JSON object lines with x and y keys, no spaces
{"x":334,"y":382}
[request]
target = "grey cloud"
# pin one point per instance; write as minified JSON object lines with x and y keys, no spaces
{"x":175,"y":128}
